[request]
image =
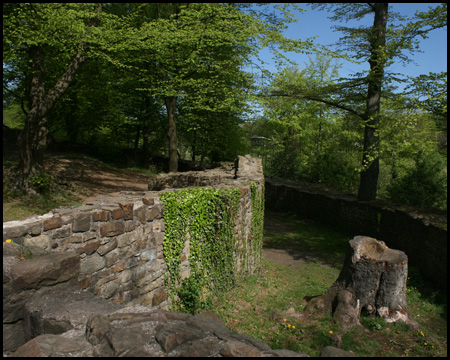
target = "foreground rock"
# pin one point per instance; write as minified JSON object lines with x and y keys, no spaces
{"x":137,"y":331}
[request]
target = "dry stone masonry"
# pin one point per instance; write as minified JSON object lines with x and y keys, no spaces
{"x":101,"y":275}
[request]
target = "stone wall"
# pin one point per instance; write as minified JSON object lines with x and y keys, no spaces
{"x":423,"y":240}
{"x":118,"y":240}
{"x":47,"y":315}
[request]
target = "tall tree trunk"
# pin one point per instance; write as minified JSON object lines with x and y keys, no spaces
{"x":32,"y":141}
{"x":136,"y":145}
{"x":171,"y":102}
{"x":145,"y":147}
{"x":369,"y":175}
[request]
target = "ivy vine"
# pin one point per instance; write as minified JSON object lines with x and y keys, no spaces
{"x":207,"y":217}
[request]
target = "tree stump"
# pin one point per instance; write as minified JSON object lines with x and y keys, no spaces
{"x":372,"y":280}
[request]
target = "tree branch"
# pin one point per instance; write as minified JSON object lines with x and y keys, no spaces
{"x":313,"y":98}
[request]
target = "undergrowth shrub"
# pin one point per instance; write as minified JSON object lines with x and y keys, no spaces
{"x":425,"y":184}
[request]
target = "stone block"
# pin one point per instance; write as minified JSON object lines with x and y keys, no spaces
{"x":127,"y":208}
{"x":112,"y":257}
{"x":81,"y":221}
{"x":54,"y":346}
{"x":172,"y":336}
{"x":52,"y":223}
{"x":36,"y":228}
{"x":89,"y":247}
{"x":149,"y":199}
{"x":13,"y":336}
{"x":14,"y":231}
{"x":159,"y":296}
{"x":155,"y":212}
{"x":111,"y":245}
{"x":91,"y":264}
{"x":38,"y":245}
{"x":112,"y":228}
{"x":101,"y":215}
{"x":45,"y":270}
{"x":140,"y":214}
{"x":237,"y":349}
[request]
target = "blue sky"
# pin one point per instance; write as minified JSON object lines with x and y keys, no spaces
{"x":316,"y":22}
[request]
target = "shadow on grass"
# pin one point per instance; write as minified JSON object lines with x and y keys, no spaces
{"x":304,"y":239}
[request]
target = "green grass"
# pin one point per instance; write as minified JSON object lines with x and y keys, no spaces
{"x":256,"y":306}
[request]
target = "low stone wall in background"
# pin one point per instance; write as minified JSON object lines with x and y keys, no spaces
{"x":423,"y":240}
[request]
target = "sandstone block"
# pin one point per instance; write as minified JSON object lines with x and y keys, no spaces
{"x":90,"y":247}
{"x":45,"y":270}
{"x":127,"y":208}
{"x":14,"y":231}
{"x":159,"y":296}
{"x":237,"y":349}
{"x":172,"y":336}
{"x":149,"y":199}
{"x":53,"y":346}
{"x":103,"y":249}
{"x":52,"y":223}
{"x":112,"y":228}
{"x":155,"y":212}
{"x":61,"y":308}
{"x":140,"y":214}
{"x":100,"y":215}
{"x":91,"y":264}
{"x":81,"y":222}
{"x":210,"y":321}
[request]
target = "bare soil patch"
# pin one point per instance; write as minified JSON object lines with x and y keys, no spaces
{"x":94,"y":177}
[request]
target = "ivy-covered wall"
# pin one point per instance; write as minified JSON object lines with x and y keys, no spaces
{"x":212,"y":237}
{"x":168,"y":249}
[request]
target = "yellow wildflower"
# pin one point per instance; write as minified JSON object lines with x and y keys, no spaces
{"x":331,"y":332}
{"x":293,"y":327}
{"x":9,"y":240}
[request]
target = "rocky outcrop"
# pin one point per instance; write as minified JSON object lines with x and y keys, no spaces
{"x":137,"y":331}
{"x":45,"y":313}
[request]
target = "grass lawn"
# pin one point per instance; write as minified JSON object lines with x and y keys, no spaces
{"x":258,"y":305}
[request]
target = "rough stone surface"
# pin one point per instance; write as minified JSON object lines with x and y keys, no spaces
{"x":61,"y":308}
{"x":64,"y":321}
{"x":54,"y":346}
{"x":45,"y":271}
{"x":331,"y":351}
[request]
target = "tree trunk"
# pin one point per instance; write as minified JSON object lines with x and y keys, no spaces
{"x":136,"y":145}
{"x":171,"y":102}
{"x":369,"y":175}
{"x":32,"y":141}
{"x":145,"y":147}
{"x":372,"y":281}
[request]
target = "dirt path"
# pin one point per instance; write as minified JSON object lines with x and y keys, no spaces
{"x":93,"y":176}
